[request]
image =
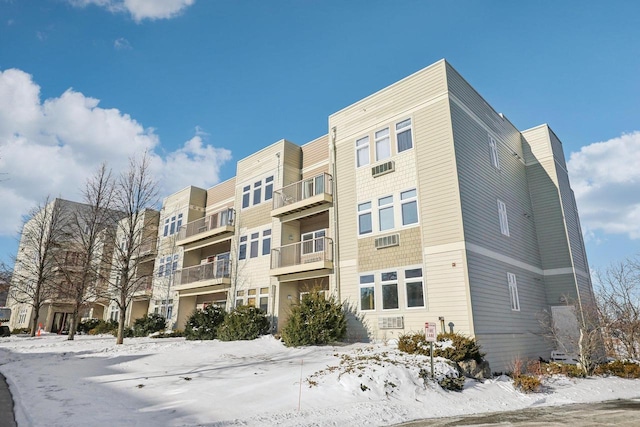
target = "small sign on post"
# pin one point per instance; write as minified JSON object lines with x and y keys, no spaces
{"x":430,"y":335}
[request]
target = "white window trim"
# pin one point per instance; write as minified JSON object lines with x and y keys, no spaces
{"x":388,"y":206}
{"x":513,"y":292}
{"x":503,"y":218}
{"x":365,"y":146}
{"x":376,"y":139}
{"x":384,"y":283}
{"x":493,"y":149}
{"x":365,"y":211}
{"x":404,"y":129}
{"x":406,"y":201}
{"x":250,"y":188}
{"x":367,"y":285}
{"x":314,"y":235}
{"x":406,"y":280}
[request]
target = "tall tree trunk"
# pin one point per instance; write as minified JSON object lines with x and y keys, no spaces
{"x":122,"y":316}
{"x":73,"y":323}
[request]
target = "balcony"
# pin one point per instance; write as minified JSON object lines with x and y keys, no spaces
{"x":144,"y":288}
{"x":309,"y":255}
{"x":211,"y":273}
{"x":219,"y":224}
{"x":303,"y":195}
{"x":148,"y":250}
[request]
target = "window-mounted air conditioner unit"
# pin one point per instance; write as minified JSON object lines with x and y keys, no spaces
{"x":383,"y":168}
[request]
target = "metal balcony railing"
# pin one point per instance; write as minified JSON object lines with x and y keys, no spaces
{"x":218,"y":219}
{"x":307,"y":188}
{"x":305,"y":252}
{"x":212,"y":270}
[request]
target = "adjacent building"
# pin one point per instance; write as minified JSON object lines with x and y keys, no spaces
{"x":420,"y":204}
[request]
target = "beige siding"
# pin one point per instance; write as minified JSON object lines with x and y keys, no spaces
{"x":221,"y":192}
{"x":440,"y":213}
{"x":389,"y":102}
{"x":408,"y":252}
{"x":316,"y":151}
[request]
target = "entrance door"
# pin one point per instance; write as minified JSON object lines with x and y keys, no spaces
{"x":61,"y":322}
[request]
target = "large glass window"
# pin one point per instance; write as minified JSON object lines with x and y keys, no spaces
{"x":253,"y":251}
{"x":242,"y":249}
{"x":389,"y":282}
{"x":385,"y":213}
{"x":266,"y":242}
{"x":268,"y":188}
{"x":264,"y":299}
{"x":367,"y":293}
{"x":257,"y":191}
{"x":362,"y":151}
{"x":313,"y":241}
{"x":409,"y":207}
{"x":383,"y":144}
{"x":403,"y":135}
{"x":364,"y":218}
{"x":415,"y":288}
{"x":246,"y":195}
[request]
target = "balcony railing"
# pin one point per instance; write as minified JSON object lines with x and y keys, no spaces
{"x":306,"y":252}
{"x":301,"y":190}
{"x":145,"y":286}
{"x":222,"y":218}
{"x":219,"y":269}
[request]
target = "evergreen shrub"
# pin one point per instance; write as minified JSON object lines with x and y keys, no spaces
{"x":204,"y":324}
{"x":149,"y":324}
{"x":315,"y":321}
{"x":243,"y":323}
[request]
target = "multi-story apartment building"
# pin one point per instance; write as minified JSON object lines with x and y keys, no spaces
{"x":420,"y":204}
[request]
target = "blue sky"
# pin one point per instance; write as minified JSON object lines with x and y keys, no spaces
{"x":203,"y":84}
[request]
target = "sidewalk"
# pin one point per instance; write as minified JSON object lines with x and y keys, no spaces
{"x":6,"y":405}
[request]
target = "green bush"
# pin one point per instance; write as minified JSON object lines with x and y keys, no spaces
{"x":86,"y":325}
{"x":173,"y":334}
{"x":243,"y":323}
{"x":315,"y":321}
{"x":527,"y":383}
{"x":448,"y":382}
{"x":463,"y":348}
{"x":204,"y":324}
{"x":619,"y":368}
{"x":149,"y":324}
{"x":127,"y":332}
{"x":104,"y":327}
{"x":18,"y":331}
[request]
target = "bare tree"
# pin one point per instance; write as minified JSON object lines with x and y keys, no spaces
{"x":36,"y":274}
{"x":575,"y":329}
{"x":135,"y":191}
{"x":618,"y":294}
{"x":5,"y":280}
{"x":88,"y":223}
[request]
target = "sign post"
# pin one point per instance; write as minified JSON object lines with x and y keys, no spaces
{"x":430,"y":337}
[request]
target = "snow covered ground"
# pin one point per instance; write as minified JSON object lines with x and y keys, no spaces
{"x":173,"y":382}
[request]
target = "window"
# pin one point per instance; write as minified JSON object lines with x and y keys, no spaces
{"x":367,"y":293}
{"x":493,"y":148}
{"x":264,"y":299}
{"x":161,"y":267}
{"x":502,"y":214}
{"x":266,"y":242}
{"x":242,"y":249}
{"x":362,"y":151}
{"x":257,"y":191}
{"x":403,"y":135}
{"x":253,"y":246}
{"x":313,"y":242}
{"x":246,"y":195}
{"x":383,"y":144}
{"x":513,"y":291}
{"x":251,"y":300}
{"x":385,"y":213}
{"x":175,"y":263}
{"x":364,"y":218}
{"x":409,"y":207}
{"x":172,"y":225}
{"x":389,"y":290}
{"x":22,"y":316}
{"x":415,"y":288}
{"x":268,"y":188}
{"x":239,"y":298}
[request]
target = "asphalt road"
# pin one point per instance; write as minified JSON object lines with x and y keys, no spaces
{"x":612,"y":413}
{"x":6,"y":405}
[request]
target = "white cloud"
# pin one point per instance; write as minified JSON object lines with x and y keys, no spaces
{"x":140,"y":9}
{"x":50,"y":147}
{"x":605,"y":177}
{"x":122,"y":44}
